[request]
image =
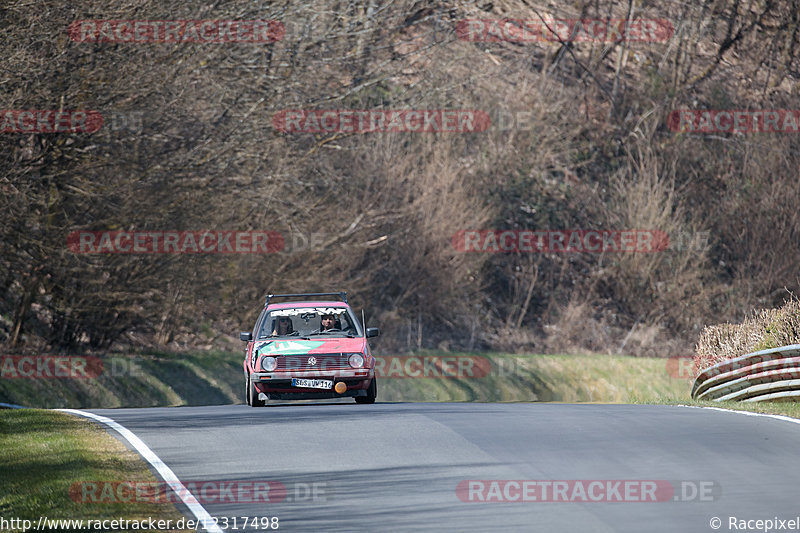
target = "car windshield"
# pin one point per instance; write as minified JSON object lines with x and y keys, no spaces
{"x":310,"y":322}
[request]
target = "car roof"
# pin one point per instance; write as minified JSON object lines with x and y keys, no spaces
{"x":289,"y":305}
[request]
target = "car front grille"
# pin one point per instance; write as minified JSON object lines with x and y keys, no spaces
{"x":322,"y":362}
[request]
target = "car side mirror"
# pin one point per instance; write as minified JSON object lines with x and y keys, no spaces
{"x":373,"y":332}
{"x":245,"y":336}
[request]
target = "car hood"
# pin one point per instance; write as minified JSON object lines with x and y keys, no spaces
{"x":302,"y":347}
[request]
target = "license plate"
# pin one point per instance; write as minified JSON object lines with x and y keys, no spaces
{"x":312,"y":383}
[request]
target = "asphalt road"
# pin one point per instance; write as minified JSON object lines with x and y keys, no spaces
{"x":396,"y":467}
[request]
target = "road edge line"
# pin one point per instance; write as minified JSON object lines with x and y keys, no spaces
{"x":748,"y":413}
{"x":166,"y":472}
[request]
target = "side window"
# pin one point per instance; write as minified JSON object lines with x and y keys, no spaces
{"x":352,"y":323}
{"x":258,"y":327}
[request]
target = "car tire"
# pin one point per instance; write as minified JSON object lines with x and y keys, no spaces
{"x":372,"y":393}
{"x":252,"y":395}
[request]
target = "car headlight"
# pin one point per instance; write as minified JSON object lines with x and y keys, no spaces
{"x":268,"y":363}
{"x":356,"y":360}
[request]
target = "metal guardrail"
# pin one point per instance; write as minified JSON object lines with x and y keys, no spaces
{"x":772,"y":374}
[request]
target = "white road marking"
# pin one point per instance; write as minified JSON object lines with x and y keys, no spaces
{"x":749,"y":413}
{"x":166,"y":472}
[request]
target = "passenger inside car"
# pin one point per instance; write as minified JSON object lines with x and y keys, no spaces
{"x":283,"y":326}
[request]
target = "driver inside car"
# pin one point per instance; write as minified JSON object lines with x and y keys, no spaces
{"x":329,"y":322}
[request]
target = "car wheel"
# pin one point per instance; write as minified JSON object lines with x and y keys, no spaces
{"x":372,"y":393}
{"x":252,"y":395}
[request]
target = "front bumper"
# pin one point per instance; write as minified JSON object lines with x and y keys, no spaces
{"x":357,"y":374}
{"x":278,"y":385}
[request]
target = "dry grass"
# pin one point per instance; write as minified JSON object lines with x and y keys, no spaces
{"x":768,"y":328}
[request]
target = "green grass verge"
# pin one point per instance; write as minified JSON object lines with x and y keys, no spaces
{"x":549,"y":378}
{"x":212,"y":378}
{"x":137,"y":380}
{"x":789,"y":409}
{"x":45,"y":453}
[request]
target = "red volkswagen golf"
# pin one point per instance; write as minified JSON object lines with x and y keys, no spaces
{"x":314,"y":348}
